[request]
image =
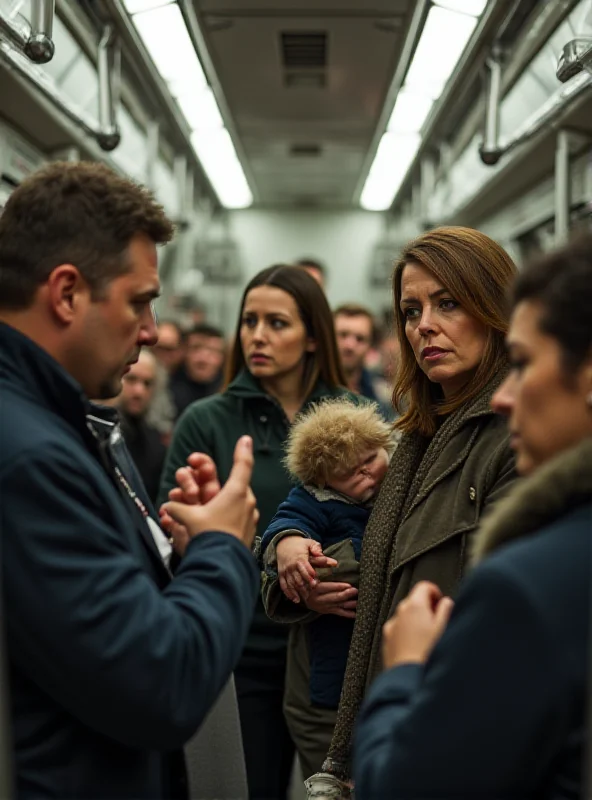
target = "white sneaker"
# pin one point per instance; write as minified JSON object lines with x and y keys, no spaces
{"x":324,"y":786}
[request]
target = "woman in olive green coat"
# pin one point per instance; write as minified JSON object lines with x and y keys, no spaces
{"x":452,"y":464}
{"x":284,"y":357}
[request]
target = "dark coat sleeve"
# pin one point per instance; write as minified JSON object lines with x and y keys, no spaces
{"x":300,"y":512}
{"x":88,"y":625}
{"x":484,"y":717}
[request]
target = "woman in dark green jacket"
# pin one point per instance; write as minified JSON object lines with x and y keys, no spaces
{"x":284,"y":357}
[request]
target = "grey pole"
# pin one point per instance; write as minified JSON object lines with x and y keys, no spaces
{"x":562,"y":188}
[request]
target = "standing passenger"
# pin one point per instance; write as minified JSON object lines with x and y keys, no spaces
{"x":284,"y":358}
{"x":113,"y":665}
{"x":498,"y":710}
{"x":453,"y":460}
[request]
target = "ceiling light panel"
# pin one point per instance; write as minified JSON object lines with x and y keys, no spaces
{"x":137,"y":6}
{"x":200,"y":109}
{"x":442,"y":41}
{"x":165,"y":35}
{"x":393,"y":158}
{"x":218,"y":157}
{"x":472,"y":7}
{"x":169,"y":44}
{"x":410,"y":112}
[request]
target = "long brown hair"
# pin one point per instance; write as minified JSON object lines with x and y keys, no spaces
{"x":478,"y":273}
{"x":323,"y":363}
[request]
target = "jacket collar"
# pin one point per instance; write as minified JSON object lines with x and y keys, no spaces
{"x":248,"y":387}
{"x":37,"y":376}
{"x":556,"y":488}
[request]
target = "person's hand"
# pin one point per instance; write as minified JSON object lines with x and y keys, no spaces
{"x":297,"y":557}
{"x":232,"y":509}
{"x":330,"y":597}
{"x":420,"y":619}
{"x":196,"y":484}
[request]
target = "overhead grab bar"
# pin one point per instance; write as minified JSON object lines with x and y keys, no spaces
{"x":549,"y":113}
{"x":489,"y":150}
{"x":107,"y":135}
{"x":35,"y":39}
{"x":576,"y":56}
{"x":109,"y":67}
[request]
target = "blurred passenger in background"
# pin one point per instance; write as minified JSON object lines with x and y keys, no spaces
{"x":201,"y":372}
{"x":355,"y":331}
{"x":498,"y":709}
{"x":143,"y":440}
{"x":169,"y":347}
{"x":314,"y":268}
{"x":284,"y":358}
{"x":384,"y":379}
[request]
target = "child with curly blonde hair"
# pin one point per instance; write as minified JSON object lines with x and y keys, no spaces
{"x":338,"y":453}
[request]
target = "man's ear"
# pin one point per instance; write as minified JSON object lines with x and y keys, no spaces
{"x":65,"y":289}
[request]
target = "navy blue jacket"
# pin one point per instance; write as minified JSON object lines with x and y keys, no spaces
{"x":498,"y":711}
{"x":328,"y":518}
{"x":112,"y":664}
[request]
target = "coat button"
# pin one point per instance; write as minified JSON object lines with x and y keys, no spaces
{"x":263,"y":418}
{"x":472,"y":494}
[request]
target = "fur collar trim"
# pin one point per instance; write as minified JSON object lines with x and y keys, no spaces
{"x":562,"y":484}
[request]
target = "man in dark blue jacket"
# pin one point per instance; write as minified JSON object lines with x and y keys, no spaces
{"x":113,"y":664}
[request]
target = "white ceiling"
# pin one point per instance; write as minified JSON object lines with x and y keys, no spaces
{"x":363,"y":43}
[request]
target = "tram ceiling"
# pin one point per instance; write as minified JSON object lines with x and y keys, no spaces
{"x":305,"y":83}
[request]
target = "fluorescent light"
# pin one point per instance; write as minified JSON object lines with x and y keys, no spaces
{"x":218,"y":158}
{"x":393,"y":158}
{"x":442,"y":41}
{"x":171,"y":49}
{"x":137,"y":6}
{"x":410,"y":112}
{"x":200,"y":109}
{"x":472,"y":7}
{"x":167,"y":40}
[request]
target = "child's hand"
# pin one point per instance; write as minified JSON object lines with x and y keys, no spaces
{"x":297,"y":558}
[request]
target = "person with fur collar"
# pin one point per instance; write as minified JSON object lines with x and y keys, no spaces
{"x":338,"y":453}
{"x":492,"y":703}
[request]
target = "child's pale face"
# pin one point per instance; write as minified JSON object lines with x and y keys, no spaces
{"x":364,"y":482}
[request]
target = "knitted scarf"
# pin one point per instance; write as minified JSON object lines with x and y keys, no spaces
{"x":413,"y":459}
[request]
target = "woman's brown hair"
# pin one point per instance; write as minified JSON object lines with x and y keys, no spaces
{"x":323,"y":363}
{"x":478,"y":273}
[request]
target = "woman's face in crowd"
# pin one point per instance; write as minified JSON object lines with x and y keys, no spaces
{"x":545,"y":402}
{"x":448,"y":343}
{"x":273,"y":336}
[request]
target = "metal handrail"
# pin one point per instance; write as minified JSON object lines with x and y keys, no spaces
{"x":549,"y":113}
{"x":35,"y":39}
{"x":107,"y":133}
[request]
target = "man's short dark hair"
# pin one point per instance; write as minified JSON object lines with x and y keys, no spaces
{"x":205,"y":329}
{"x":311,"y":262}
{"x":82,"y":214}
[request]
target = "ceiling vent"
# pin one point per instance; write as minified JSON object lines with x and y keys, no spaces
{"x":304,"y":49}
{"x":305,"y":150}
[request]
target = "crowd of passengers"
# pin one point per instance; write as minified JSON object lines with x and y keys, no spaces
{"x":370,"y":550}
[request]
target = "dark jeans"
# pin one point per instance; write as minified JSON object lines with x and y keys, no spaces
{"x":269,"y":750}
